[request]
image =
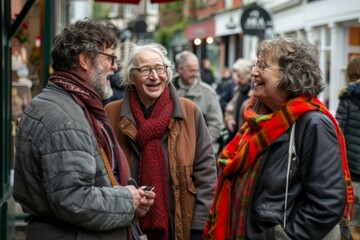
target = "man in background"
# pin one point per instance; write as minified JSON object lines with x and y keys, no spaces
{"x":206,"y":73}
{"x":189,"y":85}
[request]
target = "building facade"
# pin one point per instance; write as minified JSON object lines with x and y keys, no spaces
{"x":333,"y":26}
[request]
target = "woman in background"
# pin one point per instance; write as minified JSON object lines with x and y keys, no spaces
{"x":348,"y":116}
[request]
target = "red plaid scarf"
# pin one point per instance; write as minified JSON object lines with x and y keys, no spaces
{"x":90,"y":102}
{"x":240,"y":159}
{"x":152,"y":169}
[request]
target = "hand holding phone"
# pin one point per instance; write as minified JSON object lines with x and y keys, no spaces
{"x":149,"y":188}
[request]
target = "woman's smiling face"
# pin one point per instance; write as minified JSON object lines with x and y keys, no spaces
{"x":150,"y":87}
{"x":266,"y":76}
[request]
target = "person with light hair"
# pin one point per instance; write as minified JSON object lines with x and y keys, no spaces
{"x":234,"y":119}
{"x":189,"y":85}
{"x":167,"y":145}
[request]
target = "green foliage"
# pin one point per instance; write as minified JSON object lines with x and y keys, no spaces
{"x":100,"y":10}
{"x":165,"y":34}
{"x":174,"y":5}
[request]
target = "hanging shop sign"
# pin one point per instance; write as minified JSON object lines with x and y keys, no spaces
{"x":256,"y":21}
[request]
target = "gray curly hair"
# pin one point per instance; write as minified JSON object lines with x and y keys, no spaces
{"x":135,"y":49}
{"x":299,"y":62}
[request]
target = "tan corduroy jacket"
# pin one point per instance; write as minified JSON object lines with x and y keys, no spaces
{"x":189,"y":155}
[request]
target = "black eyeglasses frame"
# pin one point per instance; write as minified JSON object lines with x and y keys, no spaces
{"x":113,"y":57}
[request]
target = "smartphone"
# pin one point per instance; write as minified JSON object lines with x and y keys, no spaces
{"x":149,"y":188}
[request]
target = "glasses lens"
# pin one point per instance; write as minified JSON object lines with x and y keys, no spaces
{"x":145,"y":71}
{"x":160,"y":70}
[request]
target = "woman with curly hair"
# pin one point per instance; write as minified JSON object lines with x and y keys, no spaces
{"x":285,"y":174}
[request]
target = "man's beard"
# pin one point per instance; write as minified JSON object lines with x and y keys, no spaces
{"x":98,"y":79}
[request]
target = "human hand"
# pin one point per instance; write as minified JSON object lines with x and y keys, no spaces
{"x":147,"y":200}
{"x":230,"y":124}
{"x":229,"y":108}
{"x":136,"y":195}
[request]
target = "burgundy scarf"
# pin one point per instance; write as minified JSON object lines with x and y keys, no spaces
{"x":90,"y":102}
{"x":152,"y":169}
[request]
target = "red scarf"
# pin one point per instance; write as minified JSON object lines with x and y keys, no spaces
{"x":90,"y":102}
{"x":153,"y":162}
{"x":240,"y":157}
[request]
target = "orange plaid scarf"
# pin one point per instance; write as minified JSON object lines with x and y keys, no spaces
{"x":242,"y":153}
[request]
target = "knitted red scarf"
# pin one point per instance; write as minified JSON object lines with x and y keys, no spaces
{"x":90,"y":102}
{"x":242,"y":153}
{"x":152,"y":161}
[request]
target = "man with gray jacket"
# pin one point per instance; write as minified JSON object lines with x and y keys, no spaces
{"x":71,"y":174}
{"x":189,"y":85}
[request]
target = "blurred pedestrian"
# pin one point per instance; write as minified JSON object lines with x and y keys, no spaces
{"x":190,"y":86}
{"x":167,"y":145}
{"x":348,"y":116}
{"x":233,"y":111}
{"x":225,"y":89}
{"x":278,"y":180}
{"x":70,"y":172}
{"x":207,"y":75}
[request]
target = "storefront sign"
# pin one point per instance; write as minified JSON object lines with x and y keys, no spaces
{"x":228,"y":23}
{"x":256,"y":21}
{"x":200,"y":30}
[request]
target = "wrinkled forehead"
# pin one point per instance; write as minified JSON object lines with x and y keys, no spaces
{"x":148,"y":56}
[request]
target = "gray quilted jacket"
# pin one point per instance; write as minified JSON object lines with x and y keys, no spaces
{"x":60,"y":178}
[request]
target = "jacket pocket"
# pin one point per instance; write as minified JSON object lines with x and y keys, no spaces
{"x":268,"y":216}
{"x":187,"y":187}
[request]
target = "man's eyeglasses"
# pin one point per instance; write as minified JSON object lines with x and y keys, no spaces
{"x":145,"y":71}
{"x":112,"y":57}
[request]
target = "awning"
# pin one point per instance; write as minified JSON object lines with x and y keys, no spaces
{"x":165,"y":1}
{"x":137,"y":1}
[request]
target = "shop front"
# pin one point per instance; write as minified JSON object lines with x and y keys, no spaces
{"x":228,"y":29}
{"x":204,"y":44}
{"x":335,"y":32}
